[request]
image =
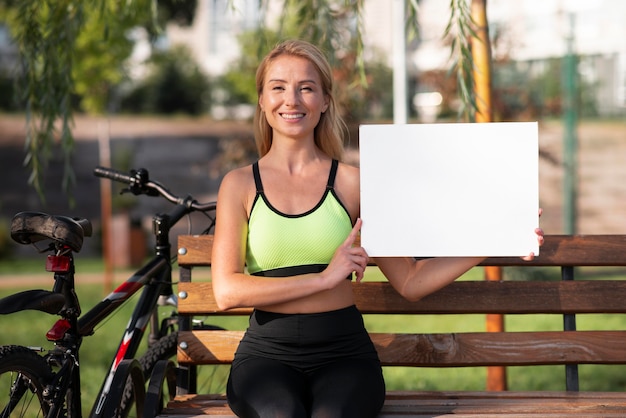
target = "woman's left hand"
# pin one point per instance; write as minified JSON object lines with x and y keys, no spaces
{"x":540,"y":240}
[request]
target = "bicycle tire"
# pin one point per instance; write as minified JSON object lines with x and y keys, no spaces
{"x":24,"y":376}
{"x":163,"y":349}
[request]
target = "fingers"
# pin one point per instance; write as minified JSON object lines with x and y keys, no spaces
{"x":540,"y":241}
{"x":540,"y":237}
{"x":349,"y":242}
{"x":529,"y":257}
{"x":354,"y":258}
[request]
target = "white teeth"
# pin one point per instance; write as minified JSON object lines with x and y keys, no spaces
{"x":296,"y":116}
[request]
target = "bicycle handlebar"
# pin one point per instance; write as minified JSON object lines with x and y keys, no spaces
{"x":140,"y":184}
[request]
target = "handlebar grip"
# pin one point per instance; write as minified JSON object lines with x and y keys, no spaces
{"x":112,"y":174}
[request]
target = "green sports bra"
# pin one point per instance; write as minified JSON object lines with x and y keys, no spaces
{"x":283,"y":245}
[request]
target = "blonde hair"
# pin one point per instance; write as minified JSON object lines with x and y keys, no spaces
{"x":329,"y":132}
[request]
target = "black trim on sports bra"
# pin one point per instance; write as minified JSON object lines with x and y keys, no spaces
{"x":330,"y":184}
{"x":295,"y":270}
{"x":257,"y":177}
{"x":333,"y":173}
{"x":292,"y":270}
{"x":330,"y":187}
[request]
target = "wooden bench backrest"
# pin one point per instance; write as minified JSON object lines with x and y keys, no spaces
{"x":565,"y":297}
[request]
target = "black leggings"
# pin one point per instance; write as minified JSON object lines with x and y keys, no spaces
{"x":306,"y":365}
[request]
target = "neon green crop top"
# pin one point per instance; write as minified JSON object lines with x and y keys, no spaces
{"x":281,"y":245}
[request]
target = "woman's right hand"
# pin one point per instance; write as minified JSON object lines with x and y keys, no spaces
{"x":347,"y":259}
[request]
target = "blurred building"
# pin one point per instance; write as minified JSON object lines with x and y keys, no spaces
{"x":538,"y":30}
{"x":530,"y":32}
{"x":533,"y":32}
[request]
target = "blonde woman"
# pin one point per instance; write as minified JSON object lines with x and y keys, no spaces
{"x":284,"y":246}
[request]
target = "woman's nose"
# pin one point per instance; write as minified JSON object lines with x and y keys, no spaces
{"x":291,"y":97}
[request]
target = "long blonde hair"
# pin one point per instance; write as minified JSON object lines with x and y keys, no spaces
{"x":329,"y":132}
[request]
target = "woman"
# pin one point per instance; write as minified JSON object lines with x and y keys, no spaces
{"x":284,"y":246}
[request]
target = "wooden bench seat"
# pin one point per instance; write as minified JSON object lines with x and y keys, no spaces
{"x":458,"y":404}
{"x":569,"y":347}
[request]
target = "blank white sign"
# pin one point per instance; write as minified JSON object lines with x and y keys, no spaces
{"x":457,"y":189}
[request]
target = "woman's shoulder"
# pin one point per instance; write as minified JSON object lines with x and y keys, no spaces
{"x":238,"y":180}
{"x":347,"y":187}
{"x":348,"y":172}
{"x":239,"y":175}
{"x":237,"y":189}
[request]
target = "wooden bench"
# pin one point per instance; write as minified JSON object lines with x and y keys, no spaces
{"x":569,"y":347}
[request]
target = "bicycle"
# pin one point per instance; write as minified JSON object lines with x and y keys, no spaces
{"x":46,"y":383}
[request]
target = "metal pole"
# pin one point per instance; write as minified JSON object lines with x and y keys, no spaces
{"x":481,"y":56}
{"x":570,"y":141}
{"x":104,"y":149}
{"x":400,"y":101}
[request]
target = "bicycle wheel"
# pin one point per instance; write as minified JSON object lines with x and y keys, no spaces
{"x":164,"y":349}
{"x":23,"y":378}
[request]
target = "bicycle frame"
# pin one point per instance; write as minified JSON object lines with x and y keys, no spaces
{"x":154,"y":279}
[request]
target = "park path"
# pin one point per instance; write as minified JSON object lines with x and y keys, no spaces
{"x":45,"y":280}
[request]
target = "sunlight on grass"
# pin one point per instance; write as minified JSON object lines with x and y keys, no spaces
{"x":29,"y":328}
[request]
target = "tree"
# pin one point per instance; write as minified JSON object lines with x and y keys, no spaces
{"x":49,"y":36}
{"x":174,"y":84}
{"x":67,"y":48}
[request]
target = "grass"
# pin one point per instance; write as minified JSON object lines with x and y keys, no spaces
{"x":29,"y":328}
{"x":36,"y":265}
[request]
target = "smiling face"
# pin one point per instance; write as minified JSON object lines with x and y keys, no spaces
{"x":292,"y":97}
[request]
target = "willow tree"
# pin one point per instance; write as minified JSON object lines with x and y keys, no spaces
{"x":53,"y":51}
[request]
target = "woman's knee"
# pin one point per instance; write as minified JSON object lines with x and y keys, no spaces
{"x":260,"y":388}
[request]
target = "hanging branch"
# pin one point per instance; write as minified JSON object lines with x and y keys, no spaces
{"x":45,"y":36}
{"x":335,"y":27}
{"x":460,"y":29}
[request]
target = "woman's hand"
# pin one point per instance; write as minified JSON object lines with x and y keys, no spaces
{"x":540,"y":240}
{"x":347,"y":259}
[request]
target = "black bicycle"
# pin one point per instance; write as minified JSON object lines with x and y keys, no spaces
{"x":39,"y":382}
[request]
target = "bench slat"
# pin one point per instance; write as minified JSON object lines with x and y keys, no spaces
{"x":573,"y":250}
{"x":472,"y":349}
{"x":447,"y":350}
{"x":557,"y":250}
{"x":466,"y":404}
{"x":557,"y":297}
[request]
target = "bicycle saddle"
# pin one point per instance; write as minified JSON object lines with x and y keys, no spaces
{"x":31,"y":227}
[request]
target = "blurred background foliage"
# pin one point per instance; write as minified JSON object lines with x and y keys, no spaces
{"x":174,"y":84}
{"x":94,"y":40}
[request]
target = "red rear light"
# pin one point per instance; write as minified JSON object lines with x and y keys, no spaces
{"x":58,"y":263}
{"x":58,"y":330}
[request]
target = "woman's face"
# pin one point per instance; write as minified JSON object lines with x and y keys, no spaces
{"x":292,"y":97}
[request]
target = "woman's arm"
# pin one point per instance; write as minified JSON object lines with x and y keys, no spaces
{"x":233,"y":287}
{"x":414,"y":279}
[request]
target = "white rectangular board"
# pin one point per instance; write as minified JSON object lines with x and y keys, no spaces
{"x":452,"y":189}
